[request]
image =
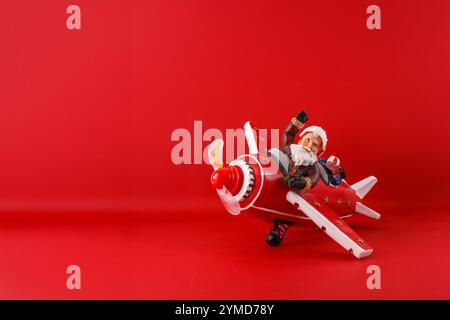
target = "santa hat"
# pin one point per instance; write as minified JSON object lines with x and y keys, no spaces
{"x":319,"y":132}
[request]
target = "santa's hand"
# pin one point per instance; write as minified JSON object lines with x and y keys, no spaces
{"x":298,"y":182}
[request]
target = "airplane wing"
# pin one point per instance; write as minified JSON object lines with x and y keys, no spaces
{"x":332,"y":225}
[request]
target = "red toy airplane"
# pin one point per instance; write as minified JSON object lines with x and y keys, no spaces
{"x":248,"y":184}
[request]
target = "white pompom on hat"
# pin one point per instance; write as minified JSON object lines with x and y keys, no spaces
{"x":335,"y":160}
{"x":319,"y":132}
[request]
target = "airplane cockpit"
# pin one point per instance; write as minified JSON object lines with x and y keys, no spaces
{"x":280,"y":158}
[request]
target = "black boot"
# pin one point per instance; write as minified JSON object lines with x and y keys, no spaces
{"x":276,"y":235}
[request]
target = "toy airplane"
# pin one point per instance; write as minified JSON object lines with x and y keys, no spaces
{"x":248,"y":184}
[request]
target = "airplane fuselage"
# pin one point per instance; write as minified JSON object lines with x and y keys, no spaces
{"x":267,"y":199}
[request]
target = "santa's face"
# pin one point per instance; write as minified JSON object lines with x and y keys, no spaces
{"x":312,"y":142}
{"x":302,"y":156}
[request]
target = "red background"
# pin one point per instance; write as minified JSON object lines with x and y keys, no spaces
{"x":86,"y":118}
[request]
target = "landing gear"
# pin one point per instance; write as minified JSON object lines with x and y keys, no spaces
{"x":276,"y":235}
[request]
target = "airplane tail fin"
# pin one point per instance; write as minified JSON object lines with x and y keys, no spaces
{"x":366,"y":211}
{"x":363,"y":187}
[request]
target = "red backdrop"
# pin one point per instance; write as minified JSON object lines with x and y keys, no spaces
{"x":86,"y":118}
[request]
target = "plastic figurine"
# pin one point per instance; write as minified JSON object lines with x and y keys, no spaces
{"x":301,"y":191}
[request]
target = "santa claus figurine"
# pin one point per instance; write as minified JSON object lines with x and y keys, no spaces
{"x":306,"y":169}
{"x":304,"y":154}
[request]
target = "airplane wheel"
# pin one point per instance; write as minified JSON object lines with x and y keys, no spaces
{"x":273,"y":239}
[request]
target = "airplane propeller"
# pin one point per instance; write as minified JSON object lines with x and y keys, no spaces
{"x":229,"y":202}
{"x":215,"y":153}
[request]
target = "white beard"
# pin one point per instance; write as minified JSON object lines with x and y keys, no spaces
{"x":301,"y":156}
